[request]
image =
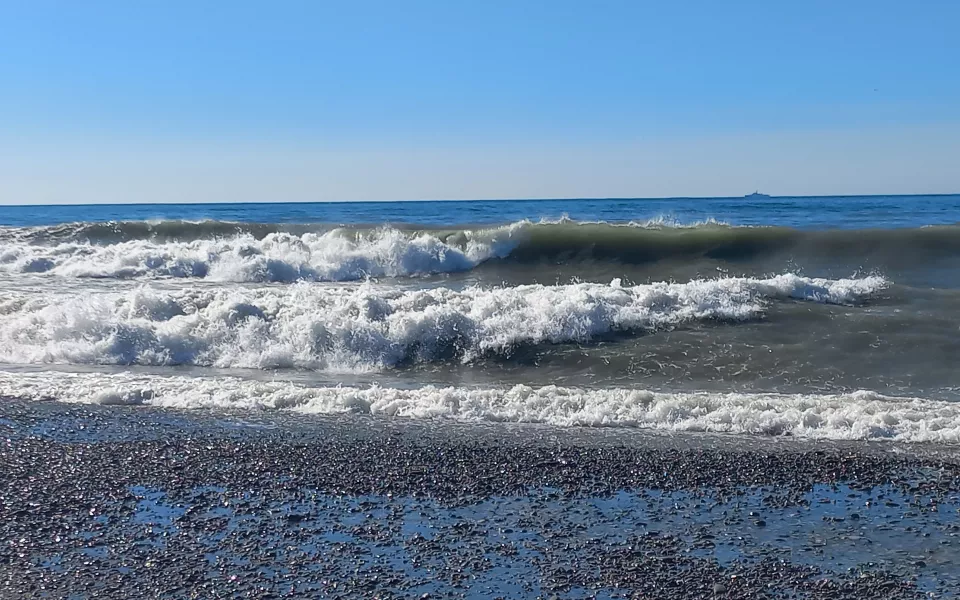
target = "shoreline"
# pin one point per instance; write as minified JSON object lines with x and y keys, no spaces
{"x":214,"y":504}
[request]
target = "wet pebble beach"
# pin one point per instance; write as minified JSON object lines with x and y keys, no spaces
{"x":121,"y":502}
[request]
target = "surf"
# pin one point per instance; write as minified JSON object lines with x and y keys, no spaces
{"x":369,"y":327}
{"x":861,"y":415}
{"x":284,"y":253}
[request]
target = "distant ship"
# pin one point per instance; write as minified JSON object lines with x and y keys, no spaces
{"x":757,"y":195}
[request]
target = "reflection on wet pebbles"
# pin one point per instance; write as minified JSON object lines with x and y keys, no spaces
{"x":186,"y":504}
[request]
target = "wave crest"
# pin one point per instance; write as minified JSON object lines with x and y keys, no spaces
{"x":336,"y":255}
{"x":251,"y":252}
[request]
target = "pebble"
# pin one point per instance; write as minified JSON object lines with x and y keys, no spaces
{"x":176,"y":505}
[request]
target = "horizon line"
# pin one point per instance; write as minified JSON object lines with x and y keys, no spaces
{"x":441,"y":200}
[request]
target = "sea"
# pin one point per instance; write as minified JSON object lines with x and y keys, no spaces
{"x":817,"y":318}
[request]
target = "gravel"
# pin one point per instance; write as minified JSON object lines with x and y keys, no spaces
{"x":117,"y":502}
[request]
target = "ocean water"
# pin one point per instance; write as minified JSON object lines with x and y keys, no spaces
{"x":833,"y":318}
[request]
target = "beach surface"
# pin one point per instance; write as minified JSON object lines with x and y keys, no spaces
{"x":116,"y":502}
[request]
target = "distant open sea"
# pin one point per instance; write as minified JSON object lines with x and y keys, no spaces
{"x":815,"y":317}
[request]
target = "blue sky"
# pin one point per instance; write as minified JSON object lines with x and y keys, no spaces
{"x":219,"y":101}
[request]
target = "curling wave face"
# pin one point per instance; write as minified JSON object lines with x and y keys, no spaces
{"x":367,"y":327}
{"x":254,"y":252}
{"x":857,"y":415}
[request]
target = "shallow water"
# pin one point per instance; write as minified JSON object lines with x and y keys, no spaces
{"x":525,"y":546}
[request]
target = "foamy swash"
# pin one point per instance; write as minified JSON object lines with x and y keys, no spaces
{"x":367,"y":326}
{"x":243,"y":252}
{"x":857,"y":415}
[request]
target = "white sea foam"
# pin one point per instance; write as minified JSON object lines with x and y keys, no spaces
{"x":336,"y":255}
{"x":366,"y":326}
{"x":857,"y":415}
{"x":342,"y":254}
{"x":661,"y":221}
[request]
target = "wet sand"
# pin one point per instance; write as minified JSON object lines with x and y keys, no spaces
{"x":116,"y":502}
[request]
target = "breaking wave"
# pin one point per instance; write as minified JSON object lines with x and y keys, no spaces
{"x":335,"y":255}
{"x":858,"y":415}
{"x":366,"y":326}
{"x":243,"y":252}
{"x":114,"y":232}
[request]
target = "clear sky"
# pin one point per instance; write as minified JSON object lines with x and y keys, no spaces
{"x":190,"y":101}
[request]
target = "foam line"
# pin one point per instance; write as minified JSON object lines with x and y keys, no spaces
{"x":860,"y":415}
